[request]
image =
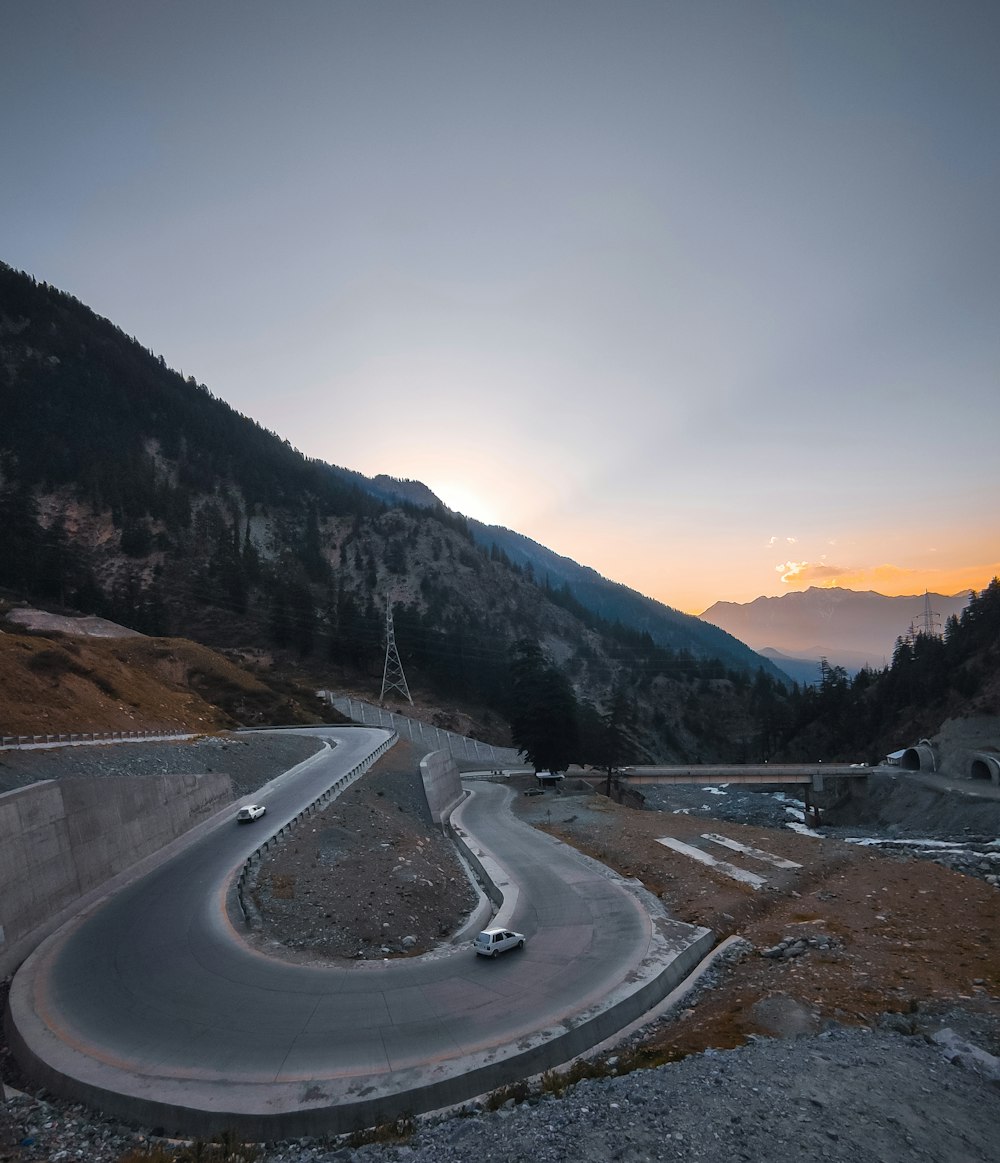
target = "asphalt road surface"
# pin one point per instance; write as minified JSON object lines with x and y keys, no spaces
{"x":151,"y":1007}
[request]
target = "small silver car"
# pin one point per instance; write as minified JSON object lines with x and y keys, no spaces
{"x":490,"y":942}
{"x":250,"y":812}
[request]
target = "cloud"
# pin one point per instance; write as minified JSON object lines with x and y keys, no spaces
{"x":773,"y":541}
{"x":795,"y":573}
{"x":886,"y":578}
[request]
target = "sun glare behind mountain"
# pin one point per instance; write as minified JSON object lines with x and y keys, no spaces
{"x":468,"y":502}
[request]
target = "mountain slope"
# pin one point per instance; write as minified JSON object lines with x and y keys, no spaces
{"x":130,"y":493}
{"x":609,"y":600}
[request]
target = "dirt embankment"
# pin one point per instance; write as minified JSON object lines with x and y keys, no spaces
{"x":872,"y":933}
{"x":52,"y":683}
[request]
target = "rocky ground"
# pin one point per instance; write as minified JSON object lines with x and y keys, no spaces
{"x":870,"y":932}
{"x":368,"y":877}
{"x":825,"y":1031}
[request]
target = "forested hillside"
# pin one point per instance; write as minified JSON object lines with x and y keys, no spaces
{"x":129,"y":492}
{"x":931,"y":678}
{"x":610,"y":601}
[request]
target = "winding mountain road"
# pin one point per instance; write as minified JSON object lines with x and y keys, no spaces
{"x":150,"y":1006}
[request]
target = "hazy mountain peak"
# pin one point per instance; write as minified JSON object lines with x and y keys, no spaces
{"x":848,"y":627}
{"x":416,"y":492}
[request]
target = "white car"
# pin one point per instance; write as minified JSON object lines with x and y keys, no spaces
{"x":250,"y":812}
{"x":490,"y":942}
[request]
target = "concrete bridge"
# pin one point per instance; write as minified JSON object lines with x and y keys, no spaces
{"x":809,"y":775}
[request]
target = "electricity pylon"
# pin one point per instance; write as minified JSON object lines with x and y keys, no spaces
{"x":929,"y":621}
{"x":393,"y":678}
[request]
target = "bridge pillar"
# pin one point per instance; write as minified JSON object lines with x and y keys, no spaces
{"x":813,"y":817}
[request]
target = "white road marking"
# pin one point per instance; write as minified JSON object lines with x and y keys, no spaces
{"x":750,"y":878}
{"x":756,"y":853}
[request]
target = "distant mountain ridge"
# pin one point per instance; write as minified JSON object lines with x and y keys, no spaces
{"x":849,"y":628}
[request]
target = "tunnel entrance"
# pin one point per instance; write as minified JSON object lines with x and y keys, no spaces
{"x":918,"y":758}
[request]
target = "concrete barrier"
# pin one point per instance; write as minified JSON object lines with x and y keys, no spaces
{"x":62,"y":838}
{"x":442,"y":784}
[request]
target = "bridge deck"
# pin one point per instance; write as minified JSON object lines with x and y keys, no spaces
{"x":774,"y":773}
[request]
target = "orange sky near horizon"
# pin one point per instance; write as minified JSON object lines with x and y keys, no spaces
{"x":693,"y":573}
{"x":712,"y":565}
{"x":722,"y":325}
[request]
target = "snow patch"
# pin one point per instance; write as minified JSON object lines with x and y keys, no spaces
{"x":803,"y":830}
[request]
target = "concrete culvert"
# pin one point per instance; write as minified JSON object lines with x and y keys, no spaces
{"x":985,"y":767}
{"x":919,"y":758}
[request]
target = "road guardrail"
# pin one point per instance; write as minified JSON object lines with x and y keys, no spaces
{"x":320,"y":801}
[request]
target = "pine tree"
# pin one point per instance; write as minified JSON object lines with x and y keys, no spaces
{"x":542,"y":710}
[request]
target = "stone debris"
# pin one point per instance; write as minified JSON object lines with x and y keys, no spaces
{"x":968,"y":1055}
{"x":845,"y":1096}
{"x":790,"y":947}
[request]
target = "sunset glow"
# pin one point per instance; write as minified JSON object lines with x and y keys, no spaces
{"x":721,"y":326}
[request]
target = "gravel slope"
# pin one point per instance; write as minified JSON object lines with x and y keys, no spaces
{"x":249,"y":760}
{"x":367,"y":877}
{"x":848,"y":1095}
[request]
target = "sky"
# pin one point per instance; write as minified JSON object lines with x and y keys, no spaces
{"x":704,"y":295}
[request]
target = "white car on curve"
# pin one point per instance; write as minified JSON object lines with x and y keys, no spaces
{"x":491,"y":942}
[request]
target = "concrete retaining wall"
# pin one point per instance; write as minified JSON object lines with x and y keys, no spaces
{"x":62,"y":838}
{"x":442,"y":784}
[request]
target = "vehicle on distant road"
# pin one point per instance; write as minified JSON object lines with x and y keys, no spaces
{"x":250,"y":812}
{"x":490,"y":942}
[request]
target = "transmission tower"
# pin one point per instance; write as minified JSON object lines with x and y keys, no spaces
{"x":930,"y":620}
{"x":393,"y":678}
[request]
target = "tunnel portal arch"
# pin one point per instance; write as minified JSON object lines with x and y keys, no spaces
{"x":985,"y":766}
{"x":918,"y":758}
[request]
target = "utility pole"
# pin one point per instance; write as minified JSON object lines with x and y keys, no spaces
{"x":393,"y":678}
